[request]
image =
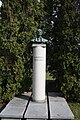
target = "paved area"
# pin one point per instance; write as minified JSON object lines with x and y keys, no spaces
{"x":16,"y":107}
{"x":55,"y":107}
{"x":58,"y":107}
{"x":37,"y":110}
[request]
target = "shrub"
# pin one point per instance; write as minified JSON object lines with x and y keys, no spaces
{"x":63,"y":32}
{"x":18,"y":26}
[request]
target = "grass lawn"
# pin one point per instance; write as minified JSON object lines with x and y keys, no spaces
{"x":48,"y":76}
{"x":75,"y":107}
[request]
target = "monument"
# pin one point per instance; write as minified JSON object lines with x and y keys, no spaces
{"x":33,"y":105}
{"x":39,"y":67}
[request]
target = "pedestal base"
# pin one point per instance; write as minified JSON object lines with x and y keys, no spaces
{"x":55,"y":108}
{"x":38,"y":101}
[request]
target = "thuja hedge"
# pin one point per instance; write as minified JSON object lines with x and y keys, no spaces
{"x":15,"y":63}
{"x":18,"y":25}
{"x":64,"y":50}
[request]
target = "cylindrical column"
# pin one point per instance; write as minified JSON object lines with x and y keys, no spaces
{"x":39,"y":72}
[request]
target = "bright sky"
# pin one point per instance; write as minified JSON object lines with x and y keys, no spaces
{"x":0,"y":3}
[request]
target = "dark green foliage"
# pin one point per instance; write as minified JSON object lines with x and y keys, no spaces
{"x":20,"y":20}
{"x":64,"y":55}
{"x":61,"y":21}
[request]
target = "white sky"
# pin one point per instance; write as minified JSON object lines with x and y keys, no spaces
{"x":0,"y":3}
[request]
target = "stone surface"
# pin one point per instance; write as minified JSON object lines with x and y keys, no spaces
{"x":10,"y":119}
{"x":37,"y":111}
{"x":39,"y":70}
{"x":59,"y":108}
{"x":22,"y":107}
{"x":15,"y":108}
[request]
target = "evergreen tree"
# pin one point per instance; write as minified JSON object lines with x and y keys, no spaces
{"x":64,"y":62}
{"x":20,"y":20}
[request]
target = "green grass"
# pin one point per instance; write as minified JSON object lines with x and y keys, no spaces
{"x":48,"y":76}
{"x":75,"y":107}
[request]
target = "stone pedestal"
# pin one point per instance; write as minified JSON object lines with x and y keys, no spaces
{"x":22,"y":108}
{"x":39,"y":72}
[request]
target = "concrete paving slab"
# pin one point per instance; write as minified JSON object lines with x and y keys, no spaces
{"x":9,"y":119}
{"x":59,"y":108}
{"x":15,"y":108}
{"x":37,"y":110}
{"x":12,"y":112}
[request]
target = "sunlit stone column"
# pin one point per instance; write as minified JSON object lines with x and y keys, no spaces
{"x":39,"y":72}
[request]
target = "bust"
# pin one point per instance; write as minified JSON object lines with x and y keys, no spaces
{"x":39,"y":38}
